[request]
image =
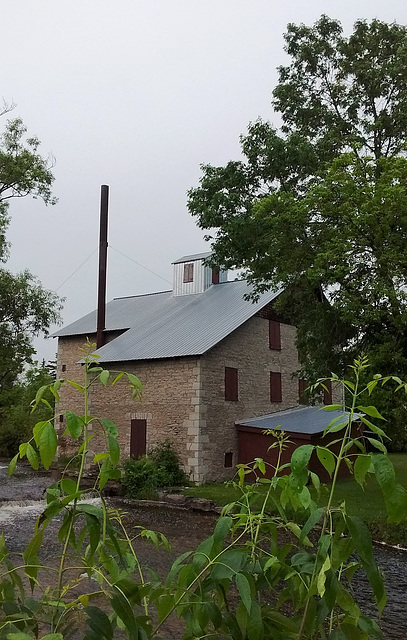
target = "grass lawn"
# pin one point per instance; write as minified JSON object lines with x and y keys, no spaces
{"x":365,"y":503}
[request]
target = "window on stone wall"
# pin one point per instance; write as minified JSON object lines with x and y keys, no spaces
{"x":228,"y":462}
{"x":328,"y":392}
{"x":274,"y":335}
{"x":303,"y":395}
{"x":231,"y":384}
{"x":189,"y":272}
{"x":275,"y":387}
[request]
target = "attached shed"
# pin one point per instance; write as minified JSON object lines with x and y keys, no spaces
{"x":303,"y":425}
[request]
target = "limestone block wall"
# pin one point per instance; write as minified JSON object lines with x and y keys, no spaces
{"x":246,"y":349}
{"x":170,"y":402}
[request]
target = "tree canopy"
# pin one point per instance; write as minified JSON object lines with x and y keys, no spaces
{"x":319,"y":207}
{"x":26,"y":308}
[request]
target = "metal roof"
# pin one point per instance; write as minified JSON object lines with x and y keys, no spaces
{"x":161,"y":325}
{"x":195,"y":256}
{"x":302,"y":419}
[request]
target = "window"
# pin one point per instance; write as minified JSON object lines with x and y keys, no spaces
{"x":215,"y":275}
{"x":64,"y":367}
{"x":302,"y":393}
{"x":231,"y":384}
{"x":275,"y":387}
{"x":328,"y":392}
{"x":274,"y":335}
{"x":189,"y":272}
{"x":228,"y":462}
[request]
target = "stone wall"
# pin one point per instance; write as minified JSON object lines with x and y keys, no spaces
{"x":246,"y":349}
{"x":170,"y":401}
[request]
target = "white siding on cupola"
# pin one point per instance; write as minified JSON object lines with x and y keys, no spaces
{"x":192,"y":268}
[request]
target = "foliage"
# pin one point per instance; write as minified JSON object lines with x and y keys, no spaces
{"x":319,"y":208}
{"x":16,"y":417}
{"x":26,"y":308}
{"x":259,"y":575}
{"x":159,"y":469}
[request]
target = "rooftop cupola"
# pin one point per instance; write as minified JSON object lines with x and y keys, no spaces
{"x":192,"y":275}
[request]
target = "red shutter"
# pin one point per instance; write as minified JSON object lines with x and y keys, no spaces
{"x":328,"y":392}
{"x":189,"y":272}
{"x":274,"y":335}
{"x":275,"y":387}
{"x":302,"y":393}
{"x":138,"y":438}
{"x":215,"y":275}
{"x":231,"y":384}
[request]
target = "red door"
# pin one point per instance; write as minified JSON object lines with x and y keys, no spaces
{"x":138,"y":438}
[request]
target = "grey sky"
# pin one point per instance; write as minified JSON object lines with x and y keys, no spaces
{"x":136,"y":94}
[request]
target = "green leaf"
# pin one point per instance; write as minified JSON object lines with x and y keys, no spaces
{"x":114,"y":450}
{"x":361,"y":537}
{"x":134,"y":381}
{"x":255,"y":623}
{"x":361,"y":467}
{"x":371,"y":411}
{"x":335,"y":426}
{"x":19,"y":636}
{"x":122,"y":607}
{"x":243,"y":586}
{"x":75,"y":385}
{"x":22,"y":449}
{"x":118,"y":377}
{"x":327,"y":459}
{"x":394,"y":496}
{"x":100,"y":456}
{"x":228,"y":564}
{"x":300,"y":458}
{"x":259,"y":462}
{"x":374,"y":428}
{"x":32,"y":456}
{"x":48,"y":445}
{"x":377,"y":444}
{"x":74,"y":424}
{"x":110,"y":427}
{"x":104,"y":376}
{"x":53,"y":636}
{"x":12,"y":465}
{"x":68,"y":486}
{"x":332,"y":407}
{"x":92,"y":509}
{"x":222,"y":528}
{"x":99,"y":622}
{"x":311,"y":522}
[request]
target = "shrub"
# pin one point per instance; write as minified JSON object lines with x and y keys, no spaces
{"x":160,"y":468}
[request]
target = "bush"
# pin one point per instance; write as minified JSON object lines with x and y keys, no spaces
{"x":16,"y":417}
{"x":160,"y":468}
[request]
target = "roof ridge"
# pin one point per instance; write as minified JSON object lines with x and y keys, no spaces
{"x":142,"y":295}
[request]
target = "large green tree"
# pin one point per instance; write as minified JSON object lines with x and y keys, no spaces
{"x":319,"y":207}
{"x":26,"y":308}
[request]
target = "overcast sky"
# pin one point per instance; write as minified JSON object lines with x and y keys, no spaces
{"x":136,"y":94}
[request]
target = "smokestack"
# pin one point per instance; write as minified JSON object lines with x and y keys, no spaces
{"x":101,"y":318}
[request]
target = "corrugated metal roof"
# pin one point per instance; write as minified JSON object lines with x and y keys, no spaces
{"x":301,"y":419}
{"x":195,"y":256}
{"x":161,"y":325}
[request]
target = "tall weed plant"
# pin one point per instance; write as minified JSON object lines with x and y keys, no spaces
{"x":258,"y":576}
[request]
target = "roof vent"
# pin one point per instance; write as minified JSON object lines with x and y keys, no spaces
{"x":192,"y":275}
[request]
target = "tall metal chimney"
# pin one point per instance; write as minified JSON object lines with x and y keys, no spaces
{"x":101,"y":317}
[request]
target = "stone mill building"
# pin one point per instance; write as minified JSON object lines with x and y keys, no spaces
{"x":207,"y":359}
